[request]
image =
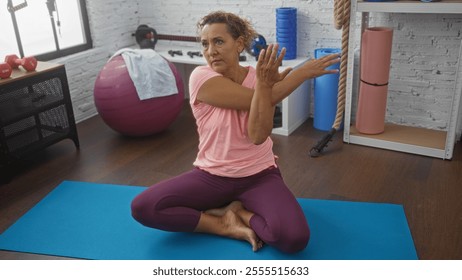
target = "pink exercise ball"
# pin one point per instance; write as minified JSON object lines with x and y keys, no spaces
{"x":119,"y":106}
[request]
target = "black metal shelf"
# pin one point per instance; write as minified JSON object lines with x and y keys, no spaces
{"x":32,"y":109}
{"x":35,"y":112}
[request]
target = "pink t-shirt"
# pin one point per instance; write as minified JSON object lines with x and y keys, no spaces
{"x":224,"y":145}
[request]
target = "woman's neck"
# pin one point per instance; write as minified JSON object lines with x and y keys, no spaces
{"x":238,"y":75}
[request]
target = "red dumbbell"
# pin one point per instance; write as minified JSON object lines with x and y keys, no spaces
{"x":5,"y":70}
{"x":29,"y":63}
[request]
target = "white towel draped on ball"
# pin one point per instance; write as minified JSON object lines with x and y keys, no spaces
{"x":150,"y":73}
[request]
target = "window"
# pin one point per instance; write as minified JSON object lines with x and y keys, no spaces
{"x":45,"y":29}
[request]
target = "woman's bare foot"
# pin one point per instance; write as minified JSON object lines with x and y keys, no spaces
{"x":228,"y":224}
{"x":237,"y":229}
{"x":234,"y":206}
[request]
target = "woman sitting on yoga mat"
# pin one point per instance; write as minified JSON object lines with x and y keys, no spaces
{"x":235,"y":189}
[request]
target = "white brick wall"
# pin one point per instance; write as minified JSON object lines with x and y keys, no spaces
{"x":424,"y":57}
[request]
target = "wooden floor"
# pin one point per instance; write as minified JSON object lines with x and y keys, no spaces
{"x":430,"y":189}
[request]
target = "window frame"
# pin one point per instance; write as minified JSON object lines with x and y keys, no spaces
{"x":59,"y":52}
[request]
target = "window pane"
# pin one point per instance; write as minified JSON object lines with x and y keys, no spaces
{"x":46,"y":36}
{"x":35,"y":27}
{"x":8,"y":44}
{"x":70,"y":31}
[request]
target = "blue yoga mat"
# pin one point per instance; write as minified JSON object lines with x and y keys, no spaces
{"x":93,"y":221}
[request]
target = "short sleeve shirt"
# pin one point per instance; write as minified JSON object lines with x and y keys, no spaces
{"x":225,"y":148}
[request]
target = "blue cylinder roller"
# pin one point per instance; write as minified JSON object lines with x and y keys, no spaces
{"x":286,"y":31}
{"x":325,"y":94}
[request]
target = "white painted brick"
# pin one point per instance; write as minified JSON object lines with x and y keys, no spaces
{"x":424,"y":59}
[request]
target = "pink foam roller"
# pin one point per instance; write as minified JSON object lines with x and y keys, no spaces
{"x":121,"y":109}
{"x":372,"y":106}
{"x":376,"y":45}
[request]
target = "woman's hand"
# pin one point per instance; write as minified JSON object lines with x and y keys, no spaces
{"x":317,"y":67}
{"x":268,"y":66}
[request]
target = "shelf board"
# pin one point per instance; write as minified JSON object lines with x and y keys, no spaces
{"x":20,"y":73}
{"x":428,"y":138}
{"x":37,"y":145}
{"x":405,"y":139}
{"x":33,"y":109}
{"x":442,"y":7}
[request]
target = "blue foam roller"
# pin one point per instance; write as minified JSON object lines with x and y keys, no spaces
{"x":286,"y":11}
{"x":291,"y":52}
{"x":286,"y":30}
{"x":286,"y":23}
{"x":287,"y":42}
{"x":284,"y":34}
{"x":325,"y":94}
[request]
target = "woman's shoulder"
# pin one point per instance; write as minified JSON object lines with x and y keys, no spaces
{"x":203,"y":69}
{"x":202,"y":73}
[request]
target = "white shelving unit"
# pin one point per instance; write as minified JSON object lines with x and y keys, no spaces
{"x":427,"y":142}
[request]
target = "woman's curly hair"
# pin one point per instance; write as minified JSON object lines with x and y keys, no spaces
{"x":237,"y":26}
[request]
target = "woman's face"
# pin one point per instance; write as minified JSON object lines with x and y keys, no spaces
{"x":220,"y":49}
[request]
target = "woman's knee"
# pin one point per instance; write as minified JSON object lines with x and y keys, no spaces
{"x":139,"y":209}
{"x":289,"y":238}
{"x":145,"y":208}
{"x":295,"y":241}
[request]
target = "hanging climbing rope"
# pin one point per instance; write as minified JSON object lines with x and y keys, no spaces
{"x":341,"y":21}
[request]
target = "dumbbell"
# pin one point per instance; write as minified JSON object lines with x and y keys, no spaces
{"x":173,"y":53}
{"x":5,"y":70}
{"x":192,"y":54}
{"x":29,"y":63}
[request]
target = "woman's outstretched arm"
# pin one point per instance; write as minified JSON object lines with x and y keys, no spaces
{"x":308,"y":70}
{"x":235,"y":96}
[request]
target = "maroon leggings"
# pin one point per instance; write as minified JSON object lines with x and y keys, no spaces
{"x":176,"y":205}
